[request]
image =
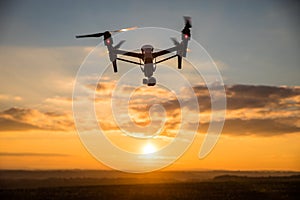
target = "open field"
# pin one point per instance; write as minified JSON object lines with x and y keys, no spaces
{"x":159,"y":185}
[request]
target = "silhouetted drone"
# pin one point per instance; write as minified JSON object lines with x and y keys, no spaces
{"x":147,"y":56}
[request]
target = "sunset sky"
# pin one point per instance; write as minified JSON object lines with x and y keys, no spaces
{"x":255,"y":45}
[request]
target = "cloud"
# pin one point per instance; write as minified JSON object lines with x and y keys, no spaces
{"x":259,"y":110}
{"x":10,"y":98}
{"x":14,"y":119}
{"x":33,"y":74}
{"x":59,"y":100}
{"x":261,"y":127}
{"x":249,"y":96}
{"x":251,"y":110}
{"x":33,"y":154}
{"x":12,"y":125}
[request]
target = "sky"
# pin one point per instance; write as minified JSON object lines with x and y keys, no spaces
{"x":254,"y":44}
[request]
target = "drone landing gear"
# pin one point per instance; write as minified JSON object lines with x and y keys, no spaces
{"x":145,"y":81}
{"x":150,"y":82}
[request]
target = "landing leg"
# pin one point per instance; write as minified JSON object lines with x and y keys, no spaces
{"x":179,"y":62}
{"x":145,"y":81}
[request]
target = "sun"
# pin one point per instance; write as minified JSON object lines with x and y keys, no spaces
{"x":149,"y":148}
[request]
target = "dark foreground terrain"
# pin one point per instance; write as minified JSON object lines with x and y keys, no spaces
{"x":218,"y":187}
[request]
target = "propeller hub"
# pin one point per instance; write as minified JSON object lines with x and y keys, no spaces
{"x":107,"y":35}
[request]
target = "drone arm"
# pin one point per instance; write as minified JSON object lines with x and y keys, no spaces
{"x":165,"y":59}
{"x":113,"y":52}
{"x":129,"y":61}
{"x":179,"y":60}
{"x":128,"y":53}
{"x":166,"y":51}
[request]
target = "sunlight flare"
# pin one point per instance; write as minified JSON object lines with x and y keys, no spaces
{"x":149,"y":148}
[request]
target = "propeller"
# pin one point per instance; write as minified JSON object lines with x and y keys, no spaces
{"x":119,"y":44}
{"x":188,"y":24}
{"x":188,"y":21}
{"x":90,"y":35}
{"x":106,"y":34}
{"x":175,"y":41}
{"x":124,"y":29}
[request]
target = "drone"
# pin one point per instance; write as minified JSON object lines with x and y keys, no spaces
{"x":147,"y":57}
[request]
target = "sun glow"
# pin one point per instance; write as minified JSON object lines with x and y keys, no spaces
{"x":149,"y":148}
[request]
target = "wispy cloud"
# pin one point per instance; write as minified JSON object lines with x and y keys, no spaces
{"x":28,"y":119}
{"x":13,"y":125}
{"x":8,"y":97}
{"x":251,"y":110}
{"x":259,"y":127}
{"x":19,"y":154}
{"x":249,"y":96}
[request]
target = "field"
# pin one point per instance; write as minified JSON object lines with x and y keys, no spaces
{"x":161,"y":185}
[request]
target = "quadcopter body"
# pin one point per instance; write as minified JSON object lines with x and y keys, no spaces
{"x":147,"y":57}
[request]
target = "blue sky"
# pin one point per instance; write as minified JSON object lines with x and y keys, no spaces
{"x":257,"y":41}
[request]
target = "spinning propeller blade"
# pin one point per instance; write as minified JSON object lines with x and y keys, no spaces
{"x":119,"y":44}
{"x":188,"y":22}
{"x":124,"y":29}
{"x":175,"y":41}
{"x":90,"y":35}
{"x":186,"y":30}
{"x":106,"y":33}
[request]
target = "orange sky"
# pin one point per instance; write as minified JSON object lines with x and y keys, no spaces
{"x":261,"y":131}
